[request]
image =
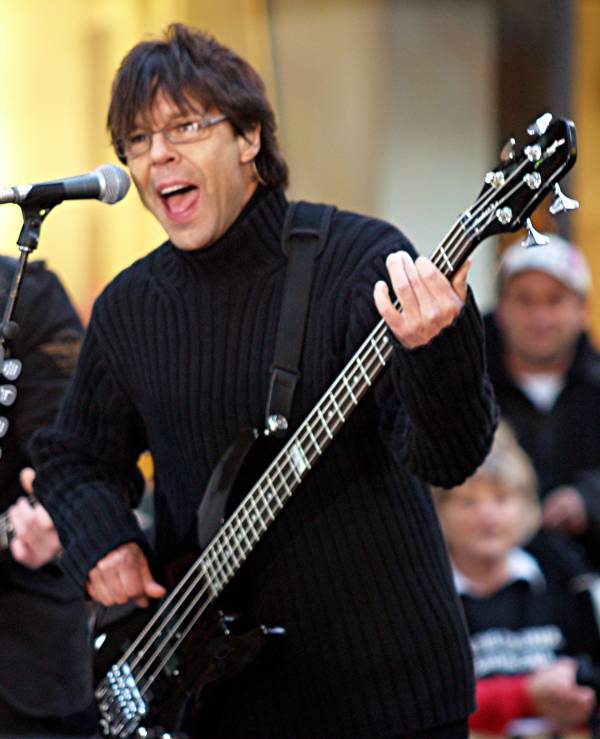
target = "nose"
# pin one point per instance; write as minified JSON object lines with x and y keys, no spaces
{"x":161,"y":149}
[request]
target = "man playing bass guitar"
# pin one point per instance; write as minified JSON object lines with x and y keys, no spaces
{"x":177,"y":360}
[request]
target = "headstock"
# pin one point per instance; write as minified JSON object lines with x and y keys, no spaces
{"x":522,"y":180}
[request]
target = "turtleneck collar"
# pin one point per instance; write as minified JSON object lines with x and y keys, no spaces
{"x":259,"y":222}
{"x":252,"y":241}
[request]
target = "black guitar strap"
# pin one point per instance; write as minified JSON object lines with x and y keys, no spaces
{"x":305,"y":232}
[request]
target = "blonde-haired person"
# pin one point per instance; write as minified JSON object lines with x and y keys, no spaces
{"x":525,"y":623}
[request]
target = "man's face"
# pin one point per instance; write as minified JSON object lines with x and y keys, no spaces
{"x":540,"y":319}
{"x":211,"y":180}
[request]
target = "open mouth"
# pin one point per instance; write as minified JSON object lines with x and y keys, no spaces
{"x":178,"y":199}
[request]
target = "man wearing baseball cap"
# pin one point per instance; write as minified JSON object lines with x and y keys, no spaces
{"x":547,"y":380}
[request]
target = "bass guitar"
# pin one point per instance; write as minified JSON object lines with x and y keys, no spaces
{"x":185,"y":646}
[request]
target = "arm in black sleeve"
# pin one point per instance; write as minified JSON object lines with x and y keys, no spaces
{"x":87,"y":461}
{"x":437,"y":407}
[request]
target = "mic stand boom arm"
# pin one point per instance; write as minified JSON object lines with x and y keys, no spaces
{"x":33,"y":217}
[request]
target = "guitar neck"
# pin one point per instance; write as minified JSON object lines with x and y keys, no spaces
{"x":225,"y":554}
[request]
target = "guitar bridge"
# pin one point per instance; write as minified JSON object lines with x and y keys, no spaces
{"x":120,"y":702}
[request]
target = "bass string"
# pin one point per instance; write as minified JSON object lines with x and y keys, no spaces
{"x":451,"y":250}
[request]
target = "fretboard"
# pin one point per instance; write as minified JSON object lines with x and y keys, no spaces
{"x":225,"y":554}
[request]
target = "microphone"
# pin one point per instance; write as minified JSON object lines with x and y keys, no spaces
{"x":107,"y":183}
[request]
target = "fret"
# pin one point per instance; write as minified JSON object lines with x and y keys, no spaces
{"x":378,"y":353}
{"x":236,"y":538}
{"x":265,"y":514}
{"x":337,"y":408}
{"x":274,"y":494}
{"x":324,"y":423}
{"x":314,"y":441}
{"x":292,"y":467}
{"x":349,"y":389}
{"x":266,"y":511}
{"x":251,"y":530}
{"x":241,"y":541}
{"x":363,"y":371}
{"x":299,"y":459}
{"x":284,"y":482}
{"x":446,"y":259}
{"x":257,"y":515}
{"x":223,"y":556}
{"x":269,"y":498}
{"x":208,"y":566}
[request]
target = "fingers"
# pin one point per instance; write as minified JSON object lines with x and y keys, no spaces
{"x":35,"y":540}
{"x":459,"y":281}
{"x":427,"y":300}
{"x":123,"y":575}
{"x":557,"y":695}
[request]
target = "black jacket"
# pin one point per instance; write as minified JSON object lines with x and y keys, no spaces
{"x":563,"y":442}
{"x":45,"y":659}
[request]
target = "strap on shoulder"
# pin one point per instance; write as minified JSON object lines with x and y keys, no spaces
{"x":304,"y":235}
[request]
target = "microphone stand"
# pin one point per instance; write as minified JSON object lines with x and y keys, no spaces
{"x":28,"y":240}
{"x":29,"y":236}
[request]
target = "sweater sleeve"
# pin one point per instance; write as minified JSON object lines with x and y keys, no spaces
{"x":437,"y":407}
{"x":86,"y":463}
{"x":500,"y":699}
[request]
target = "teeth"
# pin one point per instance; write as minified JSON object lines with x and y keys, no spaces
{"x":173,"y":188}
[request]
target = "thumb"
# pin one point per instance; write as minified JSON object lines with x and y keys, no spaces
{"x":152,"y":588}
{"x":26,"y":477}
{"x":459,"y":281}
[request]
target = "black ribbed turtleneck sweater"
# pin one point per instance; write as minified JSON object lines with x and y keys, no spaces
{"x":176,"y":360}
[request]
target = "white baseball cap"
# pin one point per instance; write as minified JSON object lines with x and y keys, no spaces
{"x":558,"y":258}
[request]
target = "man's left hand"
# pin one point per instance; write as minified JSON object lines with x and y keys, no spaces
{"x":429,"y":302}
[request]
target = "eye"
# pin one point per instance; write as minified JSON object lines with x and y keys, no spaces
{"x":135,"y":139}
{"x":187,"y":127}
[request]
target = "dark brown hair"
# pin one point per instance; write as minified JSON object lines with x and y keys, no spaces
{"x":194,"y":69}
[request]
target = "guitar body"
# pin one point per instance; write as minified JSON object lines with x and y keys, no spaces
{"x":215,"y":649}
{"x":213,"y":652}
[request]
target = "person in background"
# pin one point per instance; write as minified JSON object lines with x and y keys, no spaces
{"x":177,"y":360}
{"x":546,"y":375}
{"x":45,"y":650}
{"x":526,"y":623}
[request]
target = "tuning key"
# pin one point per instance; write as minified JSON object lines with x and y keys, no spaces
{"x":3,"y":426}
{"x":562,"y":203}
{"x":508,"y":150}
{"x":534,"y":237}
{"x":540,"y":125}
{"x":8,"y":394}
{"x":11,"y":368}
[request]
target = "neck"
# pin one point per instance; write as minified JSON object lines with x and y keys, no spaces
{"x":486,"y":575}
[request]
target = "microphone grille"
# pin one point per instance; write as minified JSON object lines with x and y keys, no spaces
{"x":114,"y":183}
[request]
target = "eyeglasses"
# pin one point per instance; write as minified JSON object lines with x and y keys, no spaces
{"x":185,"y":132}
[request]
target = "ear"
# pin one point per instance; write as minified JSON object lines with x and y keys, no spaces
{"x":249,"y":144}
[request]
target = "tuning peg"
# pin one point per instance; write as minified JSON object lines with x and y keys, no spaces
{"x":508,"y":150}
{"x":562,"y":203}
{"x":534,"y":237}
{"x":540,"y":125}
{"x":11,"y":368}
